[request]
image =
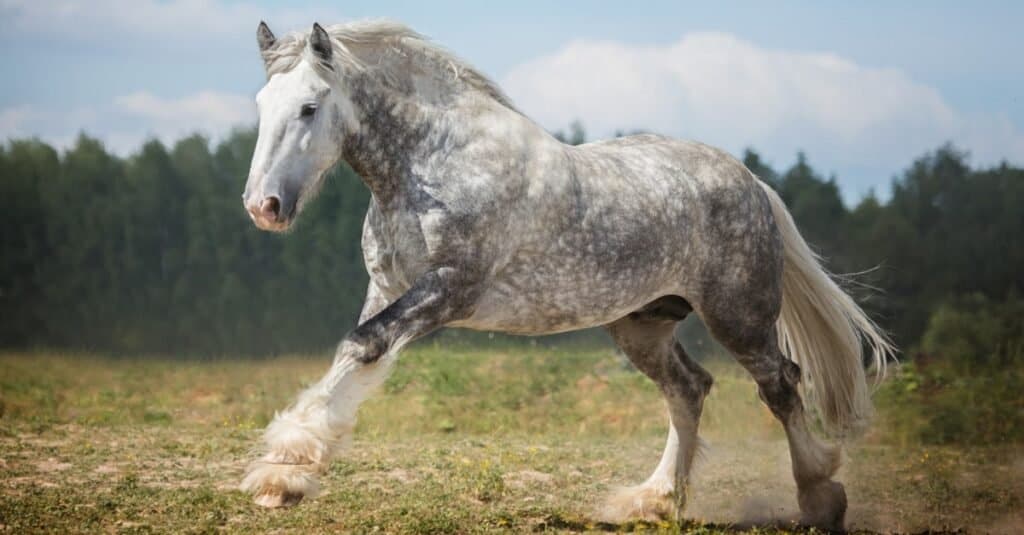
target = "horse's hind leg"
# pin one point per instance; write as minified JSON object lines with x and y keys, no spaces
{"x":646,"y":337}
{"x":822,"y":501}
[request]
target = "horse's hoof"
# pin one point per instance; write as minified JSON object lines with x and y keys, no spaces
{"x":651,"y":503}
{"x":823,"y":505}
{"x":280,"y":485}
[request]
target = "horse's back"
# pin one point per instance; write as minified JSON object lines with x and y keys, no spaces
{"x":682,"y":185}
{"x":681,"y":159}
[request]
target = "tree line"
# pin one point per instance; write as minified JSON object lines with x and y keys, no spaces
{"x":153,"y":253}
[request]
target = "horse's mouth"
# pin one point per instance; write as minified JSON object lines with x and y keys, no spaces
{"x":274,"y":227}
{"x":277,"y":225}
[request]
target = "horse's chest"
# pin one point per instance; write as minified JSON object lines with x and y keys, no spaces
{"x":397,"y":251}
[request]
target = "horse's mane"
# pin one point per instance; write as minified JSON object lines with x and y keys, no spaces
{"x":388,"y":37}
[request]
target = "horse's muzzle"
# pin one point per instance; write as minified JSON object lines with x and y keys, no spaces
{"x":268,"y":214}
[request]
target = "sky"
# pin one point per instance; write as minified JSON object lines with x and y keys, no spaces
{"x":862,"y":88}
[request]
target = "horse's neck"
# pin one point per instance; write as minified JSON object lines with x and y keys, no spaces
{"x":402,"y":139}
{"x":381,"y":150}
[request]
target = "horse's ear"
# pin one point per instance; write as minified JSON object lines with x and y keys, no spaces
{"x":320,"y":43}
{"x":264,"y":37}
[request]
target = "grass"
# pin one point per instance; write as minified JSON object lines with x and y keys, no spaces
{"x":457,"y":441}
{"x":940,"y":403}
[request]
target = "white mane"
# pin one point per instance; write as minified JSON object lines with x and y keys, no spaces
{"x":385,"y":39}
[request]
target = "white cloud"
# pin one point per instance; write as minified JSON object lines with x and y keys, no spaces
{"x":28,"y":121}
{"x":720,"y":89}
{"x":128,"y":22}
{"x":13,"y":120}
{"x":128,"y":120}
{"x":183,"y":34}
{"x":210,"y":112}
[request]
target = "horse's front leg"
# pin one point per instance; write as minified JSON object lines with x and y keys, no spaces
{"x":300,"y":442}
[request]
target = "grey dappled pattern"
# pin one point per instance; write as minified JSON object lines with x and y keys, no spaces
{"x":481,"y":219}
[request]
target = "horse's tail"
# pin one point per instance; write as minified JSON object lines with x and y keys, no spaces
{"x":823,"y":330}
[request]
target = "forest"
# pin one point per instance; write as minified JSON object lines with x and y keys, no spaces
{"x":152,"y":254}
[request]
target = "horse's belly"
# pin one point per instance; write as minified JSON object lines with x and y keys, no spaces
{"x":511,"y":315}
{"x":534,"y":307}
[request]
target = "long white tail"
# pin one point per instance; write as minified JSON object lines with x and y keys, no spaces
{"x":823,"y":330}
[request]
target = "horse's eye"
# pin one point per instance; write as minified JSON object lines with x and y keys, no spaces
{"x":307,"y":110}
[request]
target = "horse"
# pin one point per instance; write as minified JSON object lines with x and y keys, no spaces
{"x":481,"y":219}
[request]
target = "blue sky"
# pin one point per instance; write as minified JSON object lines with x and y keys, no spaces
{"x":862,"y":87}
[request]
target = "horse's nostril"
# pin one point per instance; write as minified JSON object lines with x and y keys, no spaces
{"x":271,"y":208}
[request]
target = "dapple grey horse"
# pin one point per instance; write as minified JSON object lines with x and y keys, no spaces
{"x":481,"y":219}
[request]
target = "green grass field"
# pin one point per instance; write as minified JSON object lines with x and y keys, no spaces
{"x":458,"y":440}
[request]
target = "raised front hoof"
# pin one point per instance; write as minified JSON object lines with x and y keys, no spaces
{"x":650,"y":503}
{"x":823,"y":505}
{"x":280,"y":485}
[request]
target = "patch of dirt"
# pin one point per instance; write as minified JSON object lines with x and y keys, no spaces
{"x":400,"y":475}
{"x":528,"y":478}
{"x":204,"y":396}
{"x":52,"y":465}
{"x":737,"y":483}
{"x":591,"y":384}
{"x":107,"y":469}
{"x":1011,"y":524}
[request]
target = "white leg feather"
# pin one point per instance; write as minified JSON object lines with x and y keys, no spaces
{"x":301,"y":441}
{"x":654,"y":499}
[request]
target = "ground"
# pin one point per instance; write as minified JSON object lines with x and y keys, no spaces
{"x":458,"y":440}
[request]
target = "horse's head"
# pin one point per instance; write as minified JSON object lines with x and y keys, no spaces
{"x":304,"y":114}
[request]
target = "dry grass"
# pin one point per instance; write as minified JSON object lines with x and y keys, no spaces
{"x":457,"y":441}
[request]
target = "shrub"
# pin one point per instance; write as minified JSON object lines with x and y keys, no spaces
{"x":966,"y":384}
{"x":973,"y":331}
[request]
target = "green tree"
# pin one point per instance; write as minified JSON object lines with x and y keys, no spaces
{"x":154,"y":254}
